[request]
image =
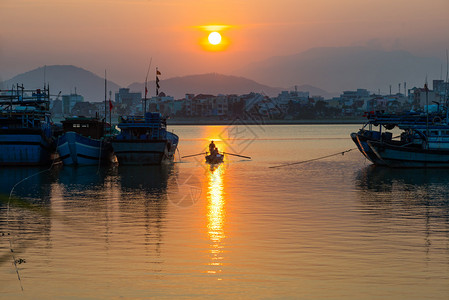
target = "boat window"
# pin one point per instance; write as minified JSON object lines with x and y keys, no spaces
{"x":76,"y":125}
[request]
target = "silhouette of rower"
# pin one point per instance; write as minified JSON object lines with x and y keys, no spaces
{"x":212,"y":148}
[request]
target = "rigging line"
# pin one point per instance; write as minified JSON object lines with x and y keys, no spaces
{"x":314,"y":159}
{"x":7,"y":219}
{"x":99,"y":158}
{"x":179,"y":154}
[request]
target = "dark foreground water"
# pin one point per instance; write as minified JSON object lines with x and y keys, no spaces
{"x":335,"y":228}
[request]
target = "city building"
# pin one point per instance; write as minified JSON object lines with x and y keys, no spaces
{"x":69,"y":101}
{"x":124,"y":96}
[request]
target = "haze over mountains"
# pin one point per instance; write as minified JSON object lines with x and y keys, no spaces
{"x":71,"y":79}
{"x":215,"y":84}
{"x":67,"y":79}
{"x":345,"y":68}
{"x":317,"y":71}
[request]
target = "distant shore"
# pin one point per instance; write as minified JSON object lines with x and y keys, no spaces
{"x":237,"y":121}
{"x":207,"y":121}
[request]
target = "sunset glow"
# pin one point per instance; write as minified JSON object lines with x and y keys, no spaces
{"x":175,"y":33}
{"x":214,"y":38}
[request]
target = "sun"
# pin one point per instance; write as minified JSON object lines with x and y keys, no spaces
{"x":214,"y":38}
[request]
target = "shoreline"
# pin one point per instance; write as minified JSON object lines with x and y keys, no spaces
{"x":360,"y":121}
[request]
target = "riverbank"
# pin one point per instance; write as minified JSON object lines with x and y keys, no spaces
{"x":211,"y":121}
{"x":238,"y":121}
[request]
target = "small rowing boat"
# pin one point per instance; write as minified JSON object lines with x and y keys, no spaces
{"x":214,"y":158}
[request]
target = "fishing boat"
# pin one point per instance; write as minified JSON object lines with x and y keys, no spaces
{"x":422,"y":139}
{"x":214,"y":158}
{"x":26,"y":129}
{"x":83,"y":142}
{"x":144,"y":140}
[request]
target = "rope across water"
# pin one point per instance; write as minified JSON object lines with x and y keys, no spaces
{"x":306,"y":161}
{"x":11,"y":248}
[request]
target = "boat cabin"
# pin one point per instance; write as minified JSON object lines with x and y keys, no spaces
{"x":151,"y":127}
{"x":89,"y":127}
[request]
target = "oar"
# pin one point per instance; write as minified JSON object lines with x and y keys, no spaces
{"x":194,"y":155}
{"x":237,"y":155}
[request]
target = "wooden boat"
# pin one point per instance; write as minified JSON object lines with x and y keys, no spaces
{"x":214,"y":158}
{"x":423,"y":141}
{"x":144,"y":140}
{"x":26,"y":129}
{"x":83,"y":142}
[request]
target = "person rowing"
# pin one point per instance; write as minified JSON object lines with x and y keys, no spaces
{"x":212,"y":147}
{"x":214,"y":157}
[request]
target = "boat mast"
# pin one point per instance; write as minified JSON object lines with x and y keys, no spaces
{"x":110,"y":112}
{"x":447,"y":86}
{"x":105,"y":99}
{"x":426,"y":88}
{"x":157,"y":82}
{"x":146,"y":89}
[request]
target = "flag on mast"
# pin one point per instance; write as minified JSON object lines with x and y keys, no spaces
{"x":157,"y":82}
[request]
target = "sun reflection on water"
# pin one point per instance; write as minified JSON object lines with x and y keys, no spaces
{"x":216,"y":216}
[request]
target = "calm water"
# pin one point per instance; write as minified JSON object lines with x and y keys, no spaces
{"x":335,"y":228}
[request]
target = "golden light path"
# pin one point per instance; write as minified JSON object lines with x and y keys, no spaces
{"x":216,"y":216}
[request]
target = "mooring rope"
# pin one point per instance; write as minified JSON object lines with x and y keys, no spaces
{"x":179,"y":154}
{"x":11,"y":248}
{"x":314,"y":159}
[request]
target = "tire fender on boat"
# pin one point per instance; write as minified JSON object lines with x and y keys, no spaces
{"x":436,"y":120}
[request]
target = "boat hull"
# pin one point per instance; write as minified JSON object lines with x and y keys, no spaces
{"x":76,"y":149}
{"x":397,"y":155}
{"x":24,"y":148}
{"x":361,"y":141}
{"x":214,"y":159}
{"x":143,"y":152}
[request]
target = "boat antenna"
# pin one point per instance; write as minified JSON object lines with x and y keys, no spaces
{"x":426,"y":89}
{"x":146,"y":88}
{"x":105,"y":99}
{"x":110,"y":112}
{"x":447,"y":79}
{"x":45,"y":79}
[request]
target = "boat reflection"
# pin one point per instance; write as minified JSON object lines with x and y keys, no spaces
{"x":216,"y":217}
{"x":143,"y":204}
{"x":81,"y":178}
{"x":24,"y":198}
{"x":405,"y":199}
{"x":151,"y":179}
{"x":374,"y":179}
{"x":26,"y":183}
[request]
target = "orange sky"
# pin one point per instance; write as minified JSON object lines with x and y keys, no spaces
{"x":123,"y":35}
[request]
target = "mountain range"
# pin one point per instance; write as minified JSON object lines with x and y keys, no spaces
{"x":331,"y":69}
{"x":70,"y":79}
{"x":65,"y":79}
{"x":215,"y":84}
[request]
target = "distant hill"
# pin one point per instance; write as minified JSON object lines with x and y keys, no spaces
{"x":65,"y":78}
{"x":345,"y":68}
{"x":211,"y":83}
